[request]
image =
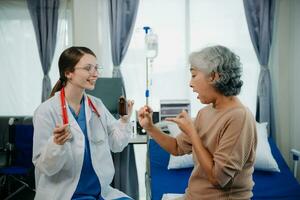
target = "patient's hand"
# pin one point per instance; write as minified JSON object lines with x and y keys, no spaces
{"x":184,"y":122}
{"x":145,"y":117}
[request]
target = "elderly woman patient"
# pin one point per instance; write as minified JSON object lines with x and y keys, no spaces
{"x":222,"y":138}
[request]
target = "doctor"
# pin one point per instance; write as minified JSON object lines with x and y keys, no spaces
{"x":74,"y":135}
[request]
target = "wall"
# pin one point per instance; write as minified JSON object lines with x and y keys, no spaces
{"x":87,"y":27}
{"x":284,"y":65}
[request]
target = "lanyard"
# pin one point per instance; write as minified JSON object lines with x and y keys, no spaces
{"x":64,"y":108}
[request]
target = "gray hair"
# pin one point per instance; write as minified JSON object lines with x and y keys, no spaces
{"x":221,"y":60}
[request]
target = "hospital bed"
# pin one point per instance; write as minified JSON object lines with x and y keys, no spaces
{"x":268,"y":185}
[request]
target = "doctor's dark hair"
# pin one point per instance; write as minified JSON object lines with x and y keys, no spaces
{"x":67,"y":62}
{"x":220,"y":60}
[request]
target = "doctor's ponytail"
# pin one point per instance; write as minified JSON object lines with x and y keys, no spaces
{"x":57,"y":87}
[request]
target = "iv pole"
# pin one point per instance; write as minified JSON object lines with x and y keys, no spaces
{"x":151,"y":53}
{"x":146,"y":29}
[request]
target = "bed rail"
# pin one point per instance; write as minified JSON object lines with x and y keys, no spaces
{"x":296,"y":156}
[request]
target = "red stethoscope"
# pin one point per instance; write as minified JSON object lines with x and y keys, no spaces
{"x":64,"y":108}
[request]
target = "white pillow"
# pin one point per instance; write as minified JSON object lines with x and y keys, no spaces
{"x":177,"y":162}
{"x":263,"y":160}
{"x":172,"y":196}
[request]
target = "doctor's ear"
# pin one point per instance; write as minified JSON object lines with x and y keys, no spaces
{"x":68,"y":75}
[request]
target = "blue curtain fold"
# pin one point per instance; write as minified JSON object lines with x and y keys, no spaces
{"x":260,"y":17}
{"x":122,"y":16}
{"x":44,"y":16}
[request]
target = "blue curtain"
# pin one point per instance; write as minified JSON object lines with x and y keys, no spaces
{"x":260,"y":17}
{"x":44,"y":16}
{"x":122,"y":15}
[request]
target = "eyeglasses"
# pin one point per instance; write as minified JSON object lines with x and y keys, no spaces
{"x":91,"y":68}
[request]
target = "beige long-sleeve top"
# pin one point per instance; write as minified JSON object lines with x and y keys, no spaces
{"x":230,"y":137}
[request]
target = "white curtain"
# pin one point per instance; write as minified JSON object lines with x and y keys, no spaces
{"x":20,"y":71}
{"x":105,"y":59}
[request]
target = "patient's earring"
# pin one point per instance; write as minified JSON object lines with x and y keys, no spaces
{"x":211,"y":79}
{"x":212,"y":76}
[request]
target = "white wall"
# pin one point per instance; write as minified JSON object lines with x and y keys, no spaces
{"x":284,"y":65}
{"x":86,"y":27}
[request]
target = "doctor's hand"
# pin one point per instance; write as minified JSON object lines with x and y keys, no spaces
{"x":145,"y":117}
{"x":61,"y":134}
{"x":126,"y":118}
{"x":184,"y":122}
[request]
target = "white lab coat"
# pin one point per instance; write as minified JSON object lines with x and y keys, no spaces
{"x":58,"y":167}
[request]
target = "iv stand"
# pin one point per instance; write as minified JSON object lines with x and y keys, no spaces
{"x":147,"y":82}
{"x":146,"y":29}
{"x":151,"y":46}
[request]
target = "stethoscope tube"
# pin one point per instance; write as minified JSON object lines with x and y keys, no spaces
{"x":64,"y":107}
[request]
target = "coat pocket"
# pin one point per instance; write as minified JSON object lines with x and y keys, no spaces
{"x":97,"y":138}
{"x":98,"y":131}
{"x":43,"y":194}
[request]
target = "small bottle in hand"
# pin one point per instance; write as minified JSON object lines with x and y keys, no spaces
{"x":122,"y":106}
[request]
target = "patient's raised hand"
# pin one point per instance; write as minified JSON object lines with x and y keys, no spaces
{"x":184,"y":122}
{"x":145,"y":117}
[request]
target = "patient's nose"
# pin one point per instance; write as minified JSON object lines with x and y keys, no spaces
{"x":191,"y":84}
